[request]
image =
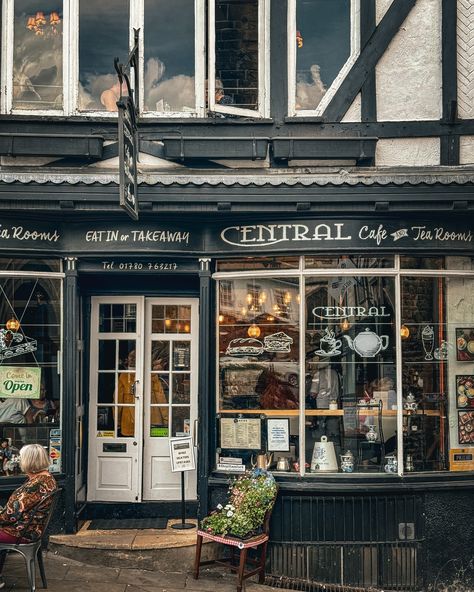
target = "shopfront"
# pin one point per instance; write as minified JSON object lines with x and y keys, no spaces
{"x":339,"y":353}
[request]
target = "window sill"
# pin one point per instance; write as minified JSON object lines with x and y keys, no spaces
{"x":346,"y":482}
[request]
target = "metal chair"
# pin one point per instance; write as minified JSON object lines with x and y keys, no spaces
{"x":259,"y":540}
{"x":33,"y":550}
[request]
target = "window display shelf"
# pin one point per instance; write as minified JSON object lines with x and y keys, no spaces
{"x":328,"y":412}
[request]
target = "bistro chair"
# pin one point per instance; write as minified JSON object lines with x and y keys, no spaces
{"x":32,"y":551}
{"x":243,"y":546}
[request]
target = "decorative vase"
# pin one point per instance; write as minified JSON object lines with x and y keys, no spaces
{"x":371,"y":435}
{"x":347,"y":462}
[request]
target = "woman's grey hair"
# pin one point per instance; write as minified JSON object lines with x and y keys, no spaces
{"x":33,"y":458}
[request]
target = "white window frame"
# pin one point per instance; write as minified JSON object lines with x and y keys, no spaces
{"x":355,"y":50}
{"x":263,"y":65}
{"x":199,"y":65}
{"x":7,"y":33}
{"x":71,"y":63}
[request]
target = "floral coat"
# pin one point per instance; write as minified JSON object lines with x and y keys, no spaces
{"x":17,"y":512}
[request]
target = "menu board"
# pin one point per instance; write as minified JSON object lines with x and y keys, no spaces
{"x":240,"y":433}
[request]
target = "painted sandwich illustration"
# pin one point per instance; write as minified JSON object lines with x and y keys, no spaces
{"x":244,"y":347}
{"x":278,"y":342}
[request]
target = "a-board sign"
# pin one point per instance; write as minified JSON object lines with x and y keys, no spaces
{"x":182,"y":454}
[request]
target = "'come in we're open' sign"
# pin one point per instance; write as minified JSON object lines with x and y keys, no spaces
{"x":20,"y":382}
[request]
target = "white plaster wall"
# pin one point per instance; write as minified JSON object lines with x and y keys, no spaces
{"x":381,"y":7}
{"x":354,"y":113}
{"x":466,"y":150}
{"x":408,"y":152}
{"x":465,"y":50}
{"x":409,"y":73}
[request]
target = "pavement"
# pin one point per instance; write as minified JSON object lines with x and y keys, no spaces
{"x":68,"y":575}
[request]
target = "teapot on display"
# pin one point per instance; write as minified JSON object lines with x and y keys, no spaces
{"x":367,"y":343}
{"x":263,"y":461}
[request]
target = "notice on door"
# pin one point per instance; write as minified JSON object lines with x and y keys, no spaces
{"x":181,"y":454}
{"x":242,"y":433}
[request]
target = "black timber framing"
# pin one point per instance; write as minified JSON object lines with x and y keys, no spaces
{"x":69,"y":380}
{"x":155,"y":130}
{"x":205,"y":396}
{"x":449,"y":142}
{"x":369,"y":55}
{"x":369,"y":91}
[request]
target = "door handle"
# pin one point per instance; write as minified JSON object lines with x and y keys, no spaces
{"x":195,"y":431}
{"x":133,"y":389}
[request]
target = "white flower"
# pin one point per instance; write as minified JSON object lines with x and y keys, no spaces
{"x":230,"y":513}
{"x":219,"y":506}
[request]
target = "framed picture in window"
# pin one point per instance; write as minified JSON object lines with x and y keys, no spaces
{"x":466,"y":427}
{"x":465,"y":345}
{"x":465,"y":391}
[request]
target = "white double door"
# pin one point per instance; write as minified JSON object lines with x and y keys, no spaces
{"x":143,"y":390}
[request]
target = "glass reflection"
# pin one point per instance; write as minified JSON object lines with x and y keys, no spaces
{"x":323,"y":45}
{"x":107,"y":21}
{"x":169,"y":56}
{"x":236,"y":53}
{"x":38,"y":55}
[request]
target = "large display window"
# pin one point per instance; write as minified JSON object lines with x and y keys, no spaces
{"x":30,"y":350}
{"x":346,"y":365}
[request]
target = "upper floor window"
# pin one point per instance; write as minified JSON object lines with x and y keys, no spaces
{"x":60,"y":58}
{"x":323,"y":45}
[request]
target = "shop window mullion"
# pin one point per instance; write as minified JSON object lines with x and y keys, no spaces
{"x":399,"y":372}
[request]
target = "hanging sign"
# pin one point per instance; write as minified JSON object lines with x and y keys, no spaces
{"x":128,"y":150}
{"x":182,"y":454}
{"x":20,"y":383}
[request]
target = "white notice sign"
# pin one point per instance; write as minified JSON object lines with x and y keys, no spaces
{"x":182,"y":454}
{"x":278,"y":435}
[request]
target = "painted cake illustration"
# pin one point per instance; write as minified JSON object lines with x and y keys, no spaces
{"x":278,"y":342}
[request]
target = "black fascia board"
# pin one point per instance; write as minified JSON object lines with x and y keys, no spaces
{"x":303,"y":148}
{"x":32,"y":144}
{"x":182,"y":147}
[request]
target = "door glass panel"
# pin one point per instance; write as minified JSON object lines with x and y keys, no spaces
{"x":159,"y":417}
{"x":181,"y":423}
{"x":127,"y":355}
{"x":160,"y":355}
{"x":181,"y":389}
{"x":126,"y":396}
{"x":105,"y":419}
{"x":107,"y":355}
{"x":106,"y":390}
{"x":38,"y":55}
{"x":171,"y":319}
{"x":169,"y":56}
{"x":117,"y":318}
{"x":181,"y":355}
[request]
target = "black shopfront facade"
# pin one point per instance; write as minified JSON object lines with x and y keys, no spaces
{"x":291,"y":334}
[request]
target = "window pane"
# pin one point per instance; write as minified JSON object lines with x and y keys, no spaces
{"x":349,"y":262}
{"x":181,"y":423}
{"x":236,"y":53}
{"x":107,"y":351}
{"x":38,"y":55}
{"x":258,"y":345}
{"x":428,"y":352}
{"x":169,"y":56}
{"x":350,"y":372}
{"x":323,"y":45}
{"x":250,"y":263}
{"x":106,"y":388}
{"x":117,"y":318}
{"x":103,"y":34}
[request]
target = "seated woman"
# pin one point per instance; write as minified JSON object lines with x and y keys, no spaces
{"x":17,"y":513}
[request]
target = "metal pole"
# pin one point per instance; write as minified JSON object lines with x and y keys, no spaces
{"x":183,"y":525}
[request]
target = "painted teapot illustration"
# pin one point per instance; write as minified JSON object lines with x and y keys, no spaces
{"x":367,"y":343}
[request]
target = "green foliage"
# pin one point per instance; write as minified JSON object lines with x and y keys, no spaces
{"x":251,"y":495}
